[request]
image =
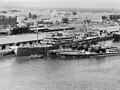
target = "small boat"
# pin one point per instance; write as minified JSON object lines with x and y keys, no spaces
{"x":35,"y":56}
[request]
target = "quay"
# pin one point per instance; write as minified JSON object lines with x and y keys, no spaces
{"x":7,"y":41}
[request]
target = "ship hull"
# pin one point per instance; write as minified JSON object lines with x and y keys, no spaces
{"x":116,"y":37}
{"x":27,"y":51}
{"x":87,"y":55}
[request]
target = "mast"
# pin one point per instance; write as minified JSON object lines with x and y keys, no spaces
{"x":37,"y":32}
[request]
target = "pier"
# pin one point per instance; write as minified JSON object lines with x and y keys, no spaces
{"x":7,"y":41}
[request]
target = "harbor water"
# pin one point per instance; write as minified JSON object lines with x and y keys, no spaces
{"x":96,"y":73}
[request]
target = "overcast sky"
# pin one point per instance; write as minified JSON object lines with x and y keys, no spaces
{"x":63,"y":3}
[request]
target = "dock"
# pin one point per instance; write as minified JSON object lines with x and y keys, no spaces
{"x":20,"y":38}
{"x":7,"y":41}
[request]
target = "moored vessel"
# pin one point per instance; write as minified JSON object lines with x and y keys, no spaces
{"x":32,"y":50}
{"x":91,"y":52}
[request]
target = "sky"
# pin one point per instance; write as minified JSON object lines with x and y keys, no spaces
{"x":63,"y":3}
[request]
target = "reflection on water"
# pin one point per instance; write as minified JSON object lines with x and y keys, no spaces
{"x":96,"y":73}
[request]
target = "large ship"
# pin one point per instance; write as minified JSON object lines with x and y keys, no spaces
{"x":40,"y":47}
{"x":94,"y":51}
{"x":32,"y":50}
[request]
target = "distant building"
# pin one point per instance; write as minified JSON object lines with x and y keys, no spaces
{"x":7,"y":21}
{"x":30,"y":15}
{"x":113,"y":17}
{"x":74,"y":13}
{"x":65,"y":20}
{"x":48,"y":22}
{"x":53,"y":13}
{"x":34,"y":16}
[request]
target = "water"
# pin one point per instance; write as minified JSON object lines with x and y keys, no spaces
{"x":19,"y":73}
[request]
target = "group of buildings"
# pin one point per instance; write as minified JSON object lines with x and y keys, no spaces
{"x":16,"y":18}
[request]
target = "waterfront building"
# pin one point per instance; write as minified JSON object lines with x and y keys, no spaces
{"x":5,"y":21}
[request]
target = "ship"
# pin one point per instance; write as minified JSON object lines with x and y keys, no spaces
{"x":87,"y":54}
{"x":32,"y":50}
{"x":101,"y":52}
{"x":40,"y":47}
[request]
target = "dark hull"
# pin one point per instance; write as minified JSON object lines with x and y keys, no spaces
{"x":116,"y":37}
{"x":27,"y":51}
{"x":88,"y":55}
{"x":109,"y":37}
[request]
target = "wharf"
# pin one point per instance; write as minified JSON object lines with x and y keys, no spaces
{"x":108,"y":28}
{"x":20,"y":38}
